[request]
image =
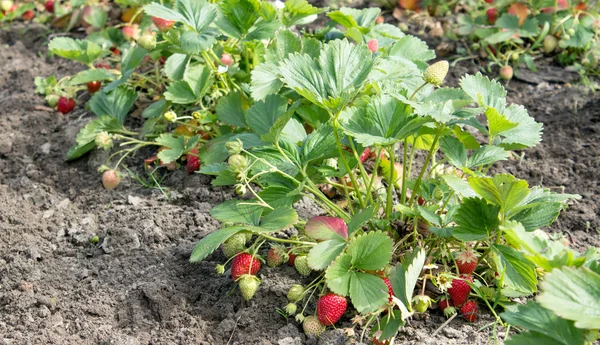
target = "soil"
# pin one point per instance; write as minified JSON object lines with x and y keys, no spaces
{"x":136,"y":286}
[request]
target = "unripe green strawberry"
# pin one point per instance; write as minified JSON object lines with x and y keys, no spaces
{"x":291,"y":308}
{"x":147,"y":42}
{"x":234,"y":245}
{"x":52,"y":100}
{"x":436,"y":73}
{"x":295,"y":292}
{"x":6,"y":5}
{"x":248,"y":285}
{"x":550,"y":43}
{"x":276,"y":256}
{"x":238,"y":164}
{"x":312,"y":326}
{"x":421,"y":303}
{"x":301,"y":265}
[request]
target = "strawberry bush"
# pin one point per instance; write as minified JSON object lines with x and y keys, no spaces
{"x":515,"y":32}
{"x":353,"y":116}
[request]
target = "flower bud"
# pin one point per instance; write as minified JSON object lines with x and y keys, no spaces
{"x":240,"y":189}
{"x":220,"y":269}
{"x":299,"y":317}
{"x":436,"y":73}
{"x":238,"y":164}
{"x":421,"y":303}
{"x":295,"y":293}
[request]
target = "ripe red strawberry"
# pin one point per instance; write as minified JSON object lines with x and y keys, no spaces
{"x":163,"y":24}
{"x":330,"y":308}
{"x":28,"y":15}
{"x":390,"y":290}
{"x":373,"y":45}
{"x":93,"y":86}
{"x":276,"y":256}
{"x":242,"y":264}
{"x":444,"y":303}
{"x":489,"y":1}
{"x":129,"y":31}
{"x":292,"y":259}
{"x":49,"y":5}
{"x":102,"y":64}
{"x":110,"y":179}
{"x":466,"y":262}
{"x":65,"y":105}
{"x":226,"y":59}
{"x":506,"y":72}
{"x":470,"y":310}
{"x":379,"y":20}
{"x":492,"y":15}
{"x":365,"y":155}
{"x":192,"y":162}
{"x":115,"y":51}
{"x":421,"y":201}
{"x":459,"y":292}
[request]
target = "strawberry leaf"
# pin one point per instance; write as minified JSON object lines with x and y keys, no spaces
{"x":322,"y":228}
{"x":519,"y":273}
{"x":475,"y":219}
{"x":176,"y":65}
{"x":503,"y":190}
{"x":210,"y":243}
{"x":413,"y":49}
{"x":236,"y":211}
{"x":483,"y":91}
{"x":279,"y":219}
{"x":83,"y":51}
{"x":88,"y":75}
{"x":367,"y":291}
{"x":543,"y":322}
{"x":174,"y":146}
{"x":116,"y":103}
{"x":319,"y":145}
{"x":299,"y":12}
{"x":404,"y":278}
{"x":321,"y":255}
{"x":361,"y":217}
{"x":573,"y":294}
{"x":338,"y":275}
{"x":371,"y":251}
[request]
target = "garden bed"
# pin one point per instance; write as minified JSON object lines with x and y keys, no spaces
{"x":137,"y":285}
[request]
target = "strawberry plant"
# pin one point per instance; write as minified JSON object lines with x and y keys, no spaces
{"x":355,"y":118}
{"x":515,"y":32}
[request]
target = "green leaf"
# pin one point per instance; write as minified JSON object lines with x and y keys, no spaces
{"x":486,"y":155}
{"x":533,"y":338}
{"x":573,"y":294}
{"x":355,"y":18}
{"x":382,"y":121}
{"x":338,"y":275}
{"x":194,"y":43}
{"x":44,"y":85}
{"x":533,"y":317}
{"x":174,"y":146}
{"x":176,"y":65}
{"x":404,"y":278}
{"x":83,"y":51}
{"x":455,"y":151}
{"x":503,"y":190}
{"x":361,"y":217}
{"x":371,"y":251}
{"x":279,"y":219}
{"x":483,"y":91}
{"x":241,"y":14}
{"x":319,"y":145}
{"x":339,"y":73}
{"x":367,"y":291}
{"x":285,"y":43}
{"x":262,"y":115}
{"x":265,"y":81}
{"x":230,"y":110}
{"x":96,"y":17}
{"x":527,"y":133}
{"x":236,"y":211}
{"x":263,"y":30}
{"x":299,"y":12}
{"x":460,"y":186}
{"x":155,"y":109}
{"x":198,"y":14}
{"x":519,"y":273}
{"x":131,"y":59}
{"x":87,"y":135}
{"x":116,"y":103}
{"x":497,"y":122}
{"x":210,"y":243}
{"x":88,"y":75}
{"x":475,"y":219}
{"x":413,"y":49}
{"x":196,"y":82}
{"x":321,"y":255}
